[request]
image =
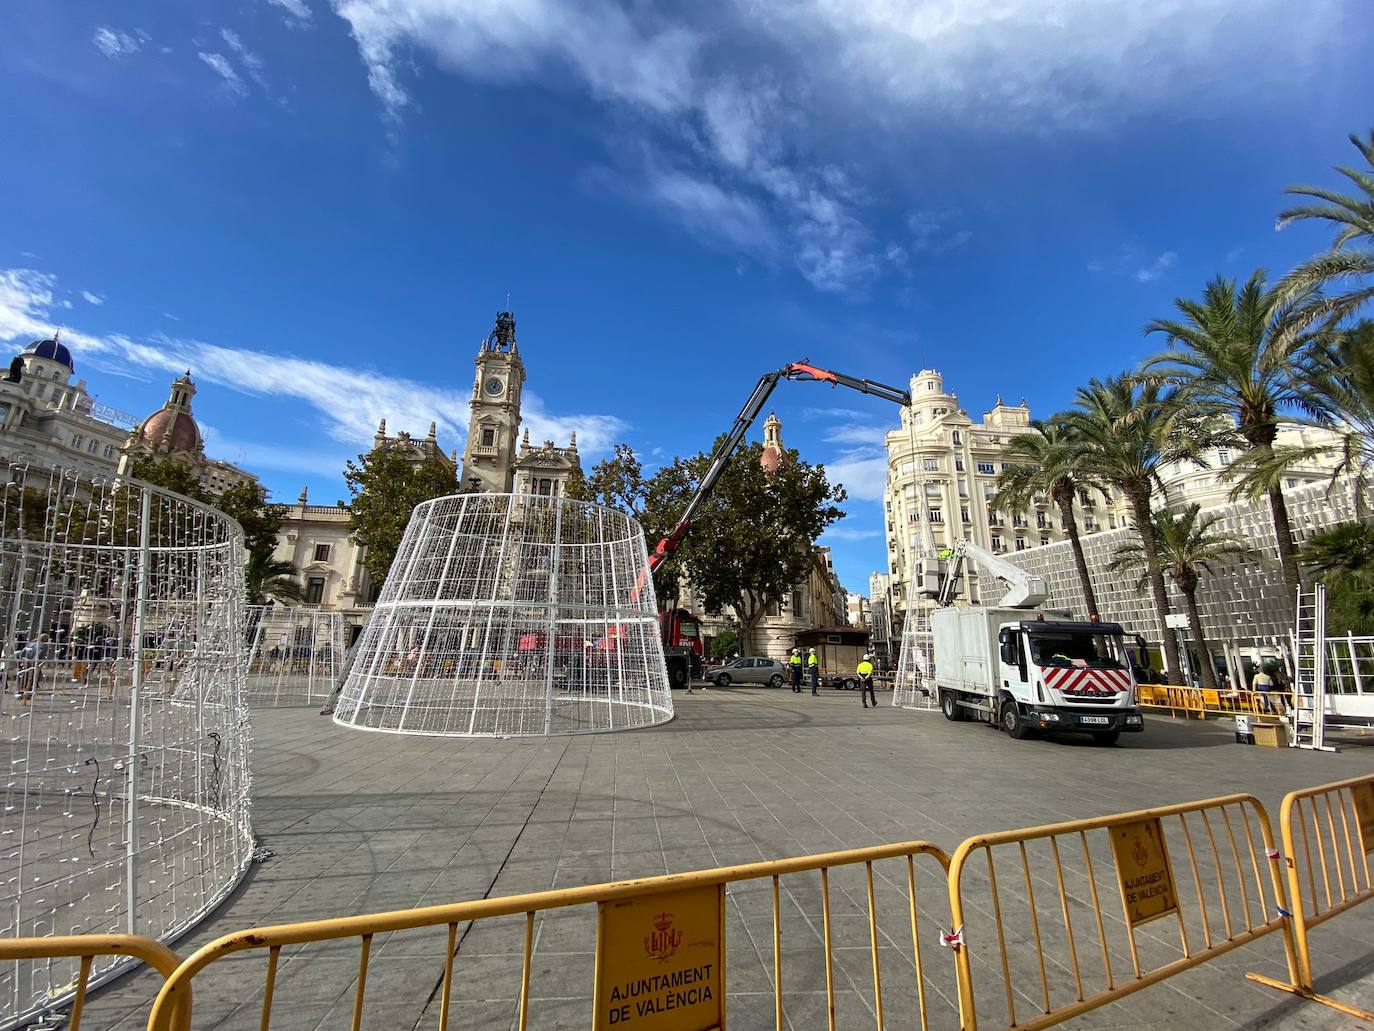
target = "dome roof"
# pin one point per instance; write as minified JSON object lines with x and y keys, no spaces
{"x":53,"y":350}
{"x":770,"y":460}
{"x":170,"y":430}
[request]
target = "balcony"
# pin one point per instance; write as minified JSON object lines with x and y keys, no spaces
{"x":485,"y":451}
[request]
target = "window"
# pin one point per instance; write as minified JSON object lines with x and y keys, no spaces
{"x":488,"y":436}
{"x":956,"y":437}
{"x":986,"y":468}
{"x":1018,"y":520}
{"x":76,"y":441}
{"x":314,"y":590}
{"x":1042,"y":521}
{"x":931,"y":465}
{"x":321,"y":552}
{"x":963,"y":514}
{"x":93,"y":446}
{"x":994,"y":519}
{"x":959,"y":464}
{"x":932,"y":490}
{"x":963,"y":488}
{"x":1290,"y":484}
{"x":1020,"y":543}
{"x":1089,"y":524}
{"x":1111,"y":521}
{"x":1224,"y":457}
{"x":772,"y":609}
{"x":930,"y":385}
{"x":997,"y":544}
{"x":798,"y":605}
{"x":1043,"y":540}
{"x":1085,"y":499}
{"x":109,"y":450}
{"x":936,"y":516}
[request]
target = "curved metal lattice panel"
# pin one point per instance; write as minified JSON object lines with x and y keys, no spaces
{"x":122,"y":609}
{"x":914,"y":687}
{"x":512,"y":615}
{"x":296,"y":655}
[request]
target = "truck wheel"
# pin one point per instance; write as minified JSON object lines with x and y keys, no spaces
{"x":850,"y":684}
{"x":723,"y":680}
{"x":950,"y":707}
{"x":677,"y":675}
{"x":1012,"y":724}
{"x":775,"y":680}
{"x":1106,"y":737}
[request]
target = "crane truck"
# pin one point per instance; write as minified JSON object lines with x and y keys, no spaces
{"x":1020,"y":666}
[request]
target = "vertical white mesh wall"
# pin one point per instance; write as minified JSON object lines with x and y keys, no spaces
{"x":123,"y":733}
{"x":295,"y":657}
{"x":512,"y":615}
{"x":915,"y":667}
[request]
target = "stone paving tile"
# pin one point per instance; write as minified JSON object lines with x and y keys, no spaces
{"x":365,"y":822}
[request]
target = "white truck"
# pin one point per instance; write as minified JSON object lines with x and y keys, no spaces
{"x":1028,"y":669}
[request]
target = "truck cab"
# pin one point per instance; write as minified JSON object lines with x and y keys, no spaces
{"x":1066,"y":676}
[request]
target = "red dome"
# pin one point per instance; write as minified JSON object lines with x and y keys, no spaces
{"x":770,"y":460}
{"x":170,"y":430}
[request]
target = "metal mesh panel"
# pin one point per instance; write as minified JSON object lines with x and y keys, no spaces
{"x":123,"y":734}
{"x":915,"y":668}
{"x":512,"y":615}
{"x":296,"y":655}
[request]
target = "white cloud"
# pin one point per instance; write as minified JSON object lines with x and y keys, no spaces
{"x":250,"y":61}
{"x":712,"y":214}
{"x":91,"y":298}
{"x":862,"y":471}
{"x":114,"y":43}
{"x":1156,"y":268}
{"x":221,"y":67}
{"x":931,"y":233}
{"x":849,"y":534}
{"x":348,"y":401}
{"x":296,"y":12}
{"x":857,"y":433}
{"x":1132,"y":262}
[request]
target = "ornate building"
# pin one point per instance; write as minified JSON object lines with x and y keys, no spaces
{"x":172,"y":434}
{"x":49,"y":421}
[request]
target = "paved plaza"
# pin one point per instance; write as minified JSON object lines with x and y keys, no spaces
{"x":364,"y":822}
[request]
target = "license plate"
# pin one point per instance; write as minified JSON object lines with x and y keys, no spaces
{"x":1096,"y":721}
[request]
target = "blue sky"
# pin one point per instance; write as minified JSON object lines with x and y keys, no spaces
{"x":319,"y":206}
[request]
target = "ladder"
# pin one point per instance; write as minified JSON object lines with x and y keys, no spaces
{"x":1308,"y":716}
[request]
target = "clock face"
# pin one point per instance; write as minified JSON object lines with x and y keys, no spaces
{"x":494,"y":386}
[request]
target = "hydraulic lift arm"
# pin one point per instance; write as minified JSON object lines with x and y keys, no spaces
{"x":802,"y":371}
{"x":1024,"y":591}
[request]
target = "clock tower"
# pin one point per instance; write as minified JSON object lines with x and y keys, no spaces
{"x":490,"y":452}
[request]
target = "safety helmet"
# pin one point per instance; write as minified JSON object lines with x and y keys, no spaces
{"x":813,"y":651}
{"x":867,"y":656}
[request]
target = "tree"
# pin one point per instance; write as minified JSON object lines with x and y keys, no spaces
{"x":576,"y":487}
{"x":249,"y":503}
{"x":1189,"y":545}
{"x":724,"y":644}
{"x":618,"y":482}
{"x":1343,"y":558}
{"x":1339,"y":387}
{"x":1046,"y":461}
{"x":1353,"y":216}
{"x":269,"y":578}
{"x":1239,"y":352}
{"x":1128,"y":430}
{"x":385,"y":488}
{"x":751,"y":542}
{"x":169,"y":475}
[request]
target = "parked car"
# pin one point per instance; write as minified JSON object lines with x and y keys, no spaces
{"x":749,"y":671}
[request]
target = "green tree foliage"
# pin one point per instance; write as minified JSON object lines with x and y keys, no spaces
{"x":1239,"y":352}
{"x":750,"y":543}
{"x":576,"y":487}
{"x":1339,"y":386}
{"x":169,"y":475}
{"x":1343,"y":558}
{"x":1346,"y":272}
{"x":724,"y":644}
{"x":1046,"y":461}
{"x":384,"y":489}
{"x":272,"y":579}
{"x":1189,"y":546}
{"x":247,"y":502}
{"x":618,"y":482}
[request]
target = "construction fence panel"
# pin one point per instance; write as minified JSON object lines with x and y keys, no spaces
{"x":295,"y":655}
{"x":841,"y":939}
{"x":1052,"y":922}
{"x":1328,"y":833}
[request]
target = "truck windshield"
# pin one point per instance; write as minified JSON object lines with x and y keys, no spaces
{"x":1096,"y":651}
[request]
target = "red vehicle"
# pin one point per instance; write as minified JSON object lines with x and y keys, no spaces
{"x":681,"y":630}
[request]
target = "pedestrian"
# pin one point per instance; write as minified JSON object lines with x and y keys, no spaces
{"x":795,"y":665}
{"x":865,"y":671}
{"x":1262,"y":683}
{"x":813,"y":671}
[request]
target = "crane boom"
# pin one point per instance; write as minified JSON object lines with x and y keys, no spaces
{"x":1024,"y":591}
{"x":802,"y":371}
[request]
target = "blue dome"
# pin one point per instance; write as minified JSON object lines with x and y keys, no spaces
{"x":51,"y":350}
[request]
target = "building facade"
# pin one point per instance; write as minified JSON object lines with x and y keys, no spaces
{"x":858,"y":611}
{"x":50,"y":421}
{"x":172,"y":434}
{"x":489,"y":454}
{"x":1206,"y":484}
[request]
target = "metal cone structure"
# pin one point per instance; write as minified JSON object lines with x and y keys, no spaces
{"x":296,"y":656}
{"x":914,"y":687}
{"x":512,"y":615}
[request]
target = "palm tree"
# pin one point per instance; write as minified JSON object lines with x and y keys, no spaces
{"x":1239,"y":352}
{"x":1343,"y":557}
{"x":1339,"y":386}
{"x":1048,"y":464}
{"x":268,"y":577}
{"x":1189,"y":546}
{"x":1129,"y":429}
{"x":1353,"y":216}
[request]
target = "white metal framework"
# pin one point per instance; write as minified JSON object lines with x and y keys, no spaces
{"x":295,"y":655}
{"x":123,"y":733}
{"x":914,"y":686}
{"x":512,"y":615}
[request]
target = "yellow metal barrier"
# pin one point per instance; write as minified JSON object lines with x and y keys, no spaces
{"x":1328,"y":833}
{"x":86,"y":947}
{"x":1199,"y":703}
{"x":1218,"y":897}
{"x":862,"y":903}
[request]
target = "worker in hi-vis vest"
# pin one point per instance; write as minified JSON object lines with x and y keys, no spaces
{"x":813,"y":671}
{"x":794,"y":664}
{"x":865,"y":671}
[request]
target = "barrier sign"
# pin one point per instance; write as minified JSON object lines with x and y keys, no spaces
{"x":1142,"y":867}
{"x":1363,"y":797}
{"x":660,"y":961}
